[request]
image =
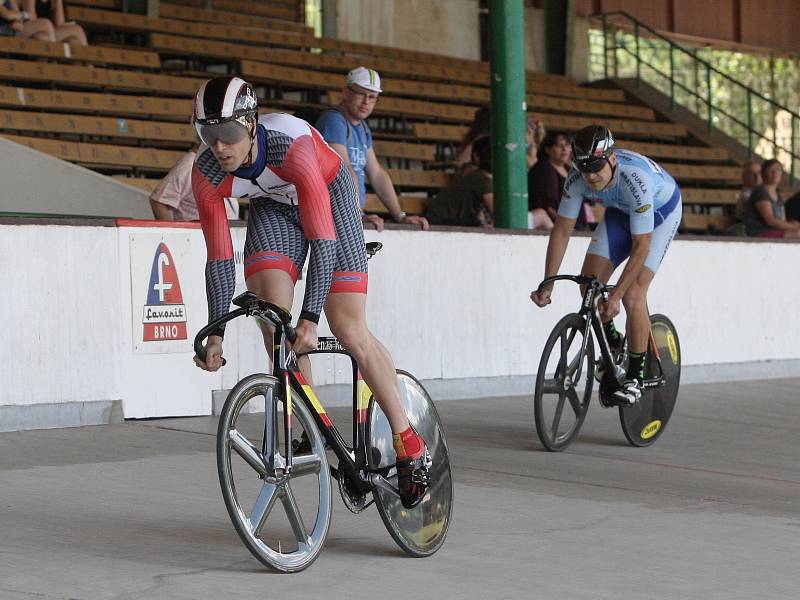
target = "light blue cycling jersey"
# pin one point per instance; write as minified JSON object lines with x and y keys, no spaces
{"x":640,"y":189}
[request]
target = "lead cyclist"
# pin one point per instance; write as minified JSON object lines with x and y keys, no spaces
{"x":643,"y":211}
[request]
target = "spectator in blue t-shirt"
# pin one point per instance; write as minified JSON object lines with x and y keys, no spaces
{"x":345,"y":129}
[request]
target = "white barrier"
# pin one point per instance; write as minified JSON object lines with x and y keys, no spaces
{"x":452,"y":307}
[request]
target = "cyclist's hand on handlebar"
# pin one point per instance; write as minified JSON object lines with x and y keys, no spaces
{"x":213,"y":355}
{"x":542,"y":298}
{"x":608,"y":308}
{"x":306,"y":336}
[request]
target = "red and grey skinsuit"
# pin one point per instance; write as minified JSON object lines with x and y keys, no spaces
{"x":303,"y":196}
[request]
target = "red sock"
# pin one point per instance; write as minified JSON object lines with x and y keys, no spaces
{"x":408,"y":444}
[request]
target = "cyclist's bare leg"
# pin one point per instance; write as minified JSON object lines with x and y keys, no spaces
{"x":347,"y":317}
{"x":276,"y":286}
{"x":638,"y":317}
{"x":596,"y":265}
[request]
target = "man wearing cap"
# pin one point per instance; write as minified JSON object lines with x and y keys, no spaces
{"x":345,"y":129}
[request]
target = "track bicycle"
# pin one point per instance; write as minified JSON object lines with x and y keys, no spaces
{"x":262,"y":462}
{"x":567,"y":371}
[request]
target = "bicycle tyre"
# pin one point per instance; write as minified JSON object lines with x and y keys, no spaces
{"x":646,"y":421}
{"x":570,"y":329}
{"x":230,"y":440}
{"x":420,"y":531}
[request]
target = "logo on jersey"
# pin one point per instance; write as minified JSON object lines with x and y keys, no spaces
{"x":643,"y":208}
{"x":164,"y":315}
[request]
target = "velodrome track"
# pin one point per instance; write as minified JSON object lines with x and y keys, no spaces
{"x":712,"y":510}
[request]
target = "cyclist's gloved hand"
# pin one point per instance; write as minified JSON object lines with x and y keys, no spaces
{"x":608,"y":308}
{"x":542,"y":298}
{"x":306,"y":337}
{"x":214,"y":358}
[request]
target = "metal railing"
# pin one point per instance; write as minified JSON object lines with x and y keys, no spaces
{"x":723,"y":102}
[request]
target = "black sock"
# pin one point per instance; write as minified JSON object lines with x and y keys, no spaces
{"x":635,"y":366}
{"x":612,"y":335}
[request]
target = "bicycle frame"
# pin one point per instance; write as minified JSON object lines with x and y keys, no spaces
{"x":353,"y":461}
{"x":594,"y":291}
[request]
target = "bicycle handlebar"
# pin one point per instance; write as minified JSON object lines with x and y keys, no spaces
{"x":579,"y":279}
{"x":249,"y":305}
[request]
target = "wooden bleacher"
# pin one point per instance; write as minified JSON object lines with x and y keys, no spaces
{"x":128,"y":113}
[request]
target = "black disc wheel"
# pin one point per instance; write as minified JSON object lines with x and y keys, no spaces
{"x":564,"y":383}
{"x":644,"y":422}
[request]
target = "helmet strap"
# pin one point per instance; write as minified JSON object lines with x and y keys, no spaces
{"x":249,"y":160}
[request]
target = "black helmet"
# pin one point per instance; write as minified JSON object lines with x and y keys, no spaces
{"x":221,"y":105}
{"x":591,"y":147}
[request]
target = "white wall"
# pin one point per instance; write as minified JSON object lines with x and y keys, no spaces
{"x":444,"y":27}
{"x":449,"y":305}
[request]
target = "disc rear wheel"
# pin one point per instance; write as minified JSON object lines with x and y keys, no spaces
{"x":419,"y":531}
{"x":644,"y":422}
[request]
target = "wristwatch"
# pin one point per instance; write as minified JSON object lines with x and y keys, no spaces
{"x":401,"y":216}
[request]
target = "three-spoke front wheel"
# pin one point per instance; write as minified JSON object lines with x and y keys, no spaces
{"x":564,"y":382}
{"x":282,"y":517}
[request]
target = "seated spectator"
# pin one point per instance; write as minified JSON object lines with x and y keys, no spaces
{"x":468,"y":200}
{"x":751,"y":177}
{"x":764,"y":213}
{"x":345,"y":128}
{"x":65,"y":31}
{"x":546,"y":182}
{"x":21,"y":23}
{"x":481,"y":126}
{"x":173,"y":200}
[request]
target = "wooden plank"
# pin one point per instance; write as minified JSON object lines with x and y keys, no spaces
{"x":709,"y":196}
{"x":686,"y":172}
{"x":423,"y":152}
{"x":702,"y":223}
{"x":102,"y":126}
{"x":20,"y":70}
{"x":107,"y":4}
{"x":645,"y":129}
{"x":143,"y":183}
{"x":417,"y":178}
{"x":678,"y":151}
{"x":435,"y":131}
{"x":103,"y":19}
{"x":90,"y":54}
{"x":417,"y":108}
{"x":454,"y":133}
{"x":240,"y":19}
{"x":413,"y":205}
{"x":74,"y":75}
{"x":102,"y":154}
{"x":263,"y":9}
{"x":387,"y":67}
{"x":589,"y":107}
{"x":288,"y":76}
{"x":59,"y":100}
{"x":116,"y":56}
{"x":63,"y":149}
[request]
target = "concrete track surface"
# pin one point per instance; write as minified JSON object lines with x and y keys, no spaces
{"x":711,"y":511}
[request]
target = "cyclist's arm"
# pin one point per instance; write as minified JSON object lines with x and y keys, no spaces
{"x":568,"y":210}
{"x":557,"y":246}
{"x":301,"y":166}
{"x":220,"y":268}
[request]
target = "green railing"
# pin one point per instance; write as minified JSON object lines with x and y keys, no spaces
{"x":630,"y":48}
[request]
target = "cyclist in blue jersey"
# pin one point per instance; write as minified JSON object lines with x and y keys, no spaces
{"x":643,"y":211}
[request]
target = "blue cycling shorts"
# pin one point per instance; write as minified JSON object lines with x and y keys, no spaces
{"x":612,"y":238}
